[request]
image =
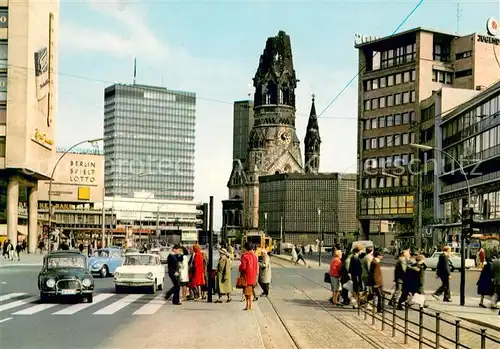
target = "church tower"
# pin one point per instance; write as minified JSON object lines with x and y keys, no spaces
{"x":312,"y":142}
{"x":273,"y":143}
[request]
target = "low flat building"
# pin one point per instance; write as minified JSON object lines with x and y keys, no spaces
{"x":301,"y":207}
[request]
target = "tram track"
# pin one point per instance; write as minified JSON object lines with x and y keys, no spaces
{"x":328,"y":311}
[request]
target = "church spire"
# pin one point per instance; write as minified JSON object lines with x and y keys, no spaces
{"x":312,"y":142}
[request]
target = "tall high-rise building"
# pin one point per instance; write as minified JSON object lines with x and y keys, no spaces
{"x":396,"y":74}
{"x":150,"y":141}
{"x":28,"y":79}
{"x":242,"y":125}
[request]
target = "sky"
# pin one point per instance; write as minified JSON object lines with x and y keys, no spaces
{"x":213,"y":48}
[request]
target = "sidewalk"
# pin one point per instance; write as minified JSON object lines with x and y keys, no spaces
{"x":27,"y":260}
{"x":312,"y":264}
{"x":194,"y":325}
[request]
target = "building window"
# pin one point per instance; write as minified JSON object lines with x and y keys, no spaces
{"x":374,"y":84}
{"x":442,"y":52}
{"x":381,"y":121}
{"x":397,"y":119}
{"x":366,"y":183}
{"x":367,"y":105}
{"x":412,"y":96}
{"x":374,"y":123}
{"x":389,"y":122}
{"x":390,"y":80}
{"x":406,"y":76}
{"x":406,"y":118}
{"x":398,"y":78}
{"x":390,"y":100}
{"x":373,"y":144}
{"x":388,"y":141}
{"x":397,"y":140}
{"x":367,"y":124}
{"x":397,"y":99}
{"x":4,"y":55}
{"x":381,"y":142}
{"x":412,"y":116}
{"x":388,"y":161}
{"x":383,"y":82}
{"x":368,"y":85}
{"x":463,"y":73}
{"x":463,"y":55}
{"x":2,"y":147}
{"x":413,"y":75}
{"x":406,"y":139}
{"x":406,"y":97}
{"x":374,"y":103}
{"x":3,"y":87}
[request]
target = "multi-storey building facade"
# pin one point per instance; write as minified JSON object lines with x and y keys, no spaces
{"x":28,"y":79}
{"x":150,"y":141}
{"x":471,"y":134}
{"x":397,"y":73}
{"x":303,"y":206}
{"x":242,"y":125}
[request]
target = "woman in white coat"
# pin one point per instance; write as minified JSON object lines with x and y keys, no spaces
{"x":184,"y":273}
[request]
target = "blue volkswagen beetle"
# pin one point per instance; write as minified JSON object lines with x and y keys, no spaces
{"x":105,"y":261}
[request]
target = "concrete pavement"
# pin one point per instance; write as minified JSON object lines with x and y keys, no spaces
{"x":27,"y":260}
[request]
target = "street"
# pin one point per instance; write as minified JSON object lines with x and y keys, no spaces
{"x":297,"y":294}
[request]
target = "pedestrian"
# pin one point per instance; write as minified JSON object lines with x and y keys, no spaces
{"x":174,"y":260}
{"x":224,"y":285}
{"x":248,"y":273}
{"x":300,"y":256}
{"x":399,"y":276}
{"x":376,"y":280}
{"x":310,"y":250}
{"x":344,"y":278}
{"x":19,"y":249}
{"x":184,"y":273}
{"x":365,"y":263}
{"x":265,"y":273}
{"x":198,"y":278}
{"x":495,"y":271}
{"x":335,"y":273}
{"x":481,"y":256}
{"x":443,"y":272}
{"x":355,"y":272}
{"x":294,"y":254}
{"x":415,"y":278}
{"x":485,"y":282}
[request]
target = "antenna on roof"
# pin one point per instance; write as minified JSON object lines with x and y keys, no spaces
{"x":135,"y":69}
{"x":459,"y":15}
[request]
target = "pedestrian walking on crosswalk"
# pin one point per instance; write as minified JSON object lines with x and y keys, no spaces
{"x":173,"y":265}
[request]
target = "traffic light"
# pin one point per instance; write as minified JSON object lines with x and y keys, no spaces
{"x":202,"y":217}
{"x":468,"y":221}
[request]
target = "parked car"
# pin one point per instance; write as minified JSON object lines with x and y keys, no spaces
{"x":105,"y":261}
{"x":140,"y":270}
{"x":454,"y":260}
{"x":65,"y":273}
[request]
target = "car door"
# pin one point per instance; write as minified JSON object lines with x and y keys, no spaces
{"x":115,"y":260}
{"x":160,"y":270}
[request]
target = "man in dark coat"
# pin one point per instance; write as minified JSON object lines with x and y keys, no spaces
{"x":173,"y":261}
{"x":444,"y":274}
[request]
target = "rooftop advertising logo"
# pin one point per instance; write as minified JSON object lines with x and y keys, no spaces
{"x":492,"y":26}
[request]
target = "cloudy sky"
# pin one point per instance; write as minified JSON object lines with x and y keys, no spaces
{"x":213,"y":48}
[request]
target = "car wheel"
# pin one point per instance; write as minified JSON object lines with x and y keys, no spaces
{"x":160,"y":287}
{"x":90,"y":298}
{"x":104,"y":271}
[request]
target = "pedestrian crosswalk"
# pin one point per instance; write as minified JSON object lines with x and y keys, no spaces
{"x":23,"y":304}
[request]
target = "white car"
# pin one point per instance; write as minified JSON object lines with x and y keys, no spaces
{"x":454,"y":260}
{"x":140,"y":270}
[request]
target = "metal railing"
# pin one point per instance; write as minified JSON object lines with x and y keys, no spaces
{"x":429,"y":328}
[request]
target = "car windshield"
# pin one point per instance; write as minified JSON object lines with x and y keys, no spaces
{"x":138,"y":260}
{"x":254,"y":239}
{"x":65,"y":262}
{"x":101,"y":253}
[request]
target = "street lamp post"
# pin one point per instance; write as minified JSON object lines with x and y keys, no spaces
{"x":49,"y":245}
{"x":320,"y":239}
{"x":469,"y":202}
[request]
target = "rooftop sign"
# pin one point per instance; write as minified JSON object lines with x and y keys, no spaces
{"x":492,"y":26}
{"x":363,"y":39}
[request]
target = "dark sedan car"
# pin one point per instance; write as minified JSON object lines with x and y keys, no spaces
{"x":65,"y":273}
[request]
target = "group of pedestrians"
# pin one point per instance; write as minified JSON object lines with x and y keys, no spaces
{"x":187,"y":271}
{"x":10,"y":252}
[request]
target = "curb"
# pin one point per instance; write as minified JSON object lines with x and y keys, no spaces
{"x":21,"y":265}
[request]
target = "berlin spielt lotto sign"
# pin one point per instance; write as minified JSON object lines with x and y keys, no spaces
{"x":82,"y":171}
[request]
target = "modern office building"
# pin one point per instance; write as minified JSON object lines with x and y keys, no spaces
{"x":150,"y":141}
{"x":396,"y":74}
{"x":304,"y":206}
{"x":242,"y":125}
{"x":471,"y":134}
{"x":28,"y":87}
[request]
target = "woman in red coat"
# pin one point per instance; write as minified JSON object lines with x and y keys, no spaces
{"x":198,"y":279}
{"x":249,"y":268}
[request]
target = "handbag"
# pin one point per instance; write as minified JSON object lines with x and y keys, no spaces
{"x":327,"y":279}
{"x":418,"y":299}
{"x":241,"y":282}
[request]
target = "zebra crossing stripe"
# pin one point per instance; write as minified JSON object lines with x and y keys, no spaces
{"x":81,"y":306}
{"x":152,"y":307}
{"x":118,"y":305}
{"x":18,"y":303}
{"x":35,"y":309}
{"x":10,"y":296}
